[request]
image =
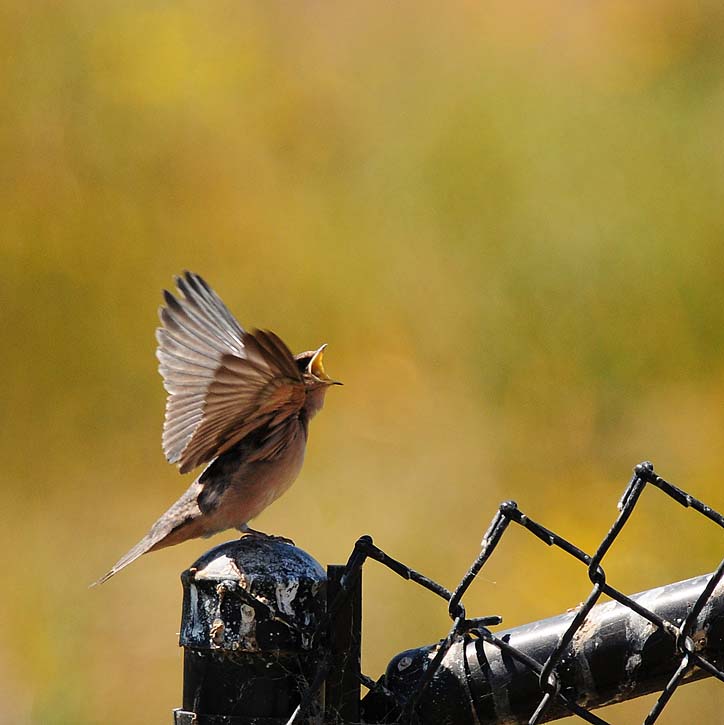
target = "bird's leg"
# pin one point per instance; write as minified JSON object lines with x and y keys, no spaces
{"x":248,"y":531}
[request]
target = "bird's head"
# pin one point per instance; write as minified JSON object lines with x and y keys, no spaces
{"x":316,"y":380}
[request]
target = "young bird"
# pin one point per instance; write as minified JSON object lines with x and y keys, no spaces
{"x":239,"y":401}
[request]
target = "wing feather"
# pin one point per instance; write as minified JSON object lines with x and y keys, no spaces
{"x":211,"y":301}
{"x":223,"y":382}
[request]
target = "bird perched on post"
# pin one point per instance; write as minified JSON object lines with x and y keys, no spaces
{"x":238,"y":401}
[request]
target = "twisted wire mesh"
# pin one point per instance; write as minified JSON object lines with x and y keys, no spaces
{"x":547,"y":672}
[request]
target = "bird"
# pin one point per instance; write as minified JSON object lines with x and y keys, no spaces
{"x":238,"y":401}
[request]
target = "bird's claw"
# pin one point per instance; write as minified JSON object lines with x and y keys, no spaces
{"x":263,"y":535}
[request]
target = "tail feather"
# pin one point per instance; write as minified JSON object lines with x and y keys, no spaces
{"x":143,"y":546}
{"x":182,"y":521}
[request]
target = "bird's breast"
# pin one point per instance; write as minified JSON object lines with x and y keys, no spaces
{"x":243,"y":493}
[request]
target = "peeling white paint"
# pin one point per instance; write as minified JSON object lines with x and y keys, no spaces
{"x":248,"y":620}
{"x":196,"y":626}
{"x":285,"y":596}
{"x":404,"y":663}
{"x":637,"y":635}
{"x":633,"y":663}
{"x":221,"y":568}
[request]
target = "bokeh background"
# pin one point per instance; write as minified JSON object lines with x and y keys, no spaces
{"x":506,"y":220}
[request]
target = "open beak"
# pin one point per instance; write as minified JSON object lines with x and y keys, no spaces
{"x":316,"y":368}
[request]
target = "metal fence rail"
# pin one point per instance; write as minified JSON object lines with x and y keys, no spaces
{"x":616,"y":656}
{"x":572,"y":664}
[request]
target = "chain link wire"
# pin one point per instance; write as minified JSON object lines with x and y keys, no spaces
{"x":547,"y":672}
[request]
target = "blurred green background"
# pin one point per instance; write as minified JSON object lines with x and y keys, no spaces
{"x":505,"y":219}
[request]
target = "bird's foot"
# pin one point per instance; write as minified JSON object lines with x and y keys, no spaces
{"x":262,"y":535}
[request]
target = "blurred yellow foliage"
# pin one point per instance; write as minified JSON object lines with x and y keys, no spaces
{"x":506,"y":219}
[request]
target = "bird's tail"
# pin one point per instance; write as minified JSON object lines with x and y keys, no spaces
{"x":142,"y":547}
{"x":181,"y":522}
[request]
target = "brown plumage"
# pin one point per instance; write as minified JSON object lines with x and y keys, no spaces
{"x":238,"y":401}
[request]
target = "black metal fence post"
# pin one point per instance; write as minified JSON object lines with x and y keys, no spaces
{"x":251,"y":609}
{"x":342,"y":691}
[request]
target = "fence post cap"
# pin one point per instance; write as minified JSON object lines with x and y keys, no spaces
{"x":253,"y":594}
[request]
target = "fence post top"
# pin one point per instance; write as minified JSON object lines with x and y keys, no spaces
{"x":254,"y":556}
{"x":253,"y":594}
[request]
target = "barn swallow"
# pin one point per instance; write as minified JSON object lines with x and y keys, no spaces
{"x":239,"y":402}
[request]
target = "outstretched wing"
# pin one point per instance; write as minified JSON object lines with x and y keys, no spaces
{"x":223,"y":383}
